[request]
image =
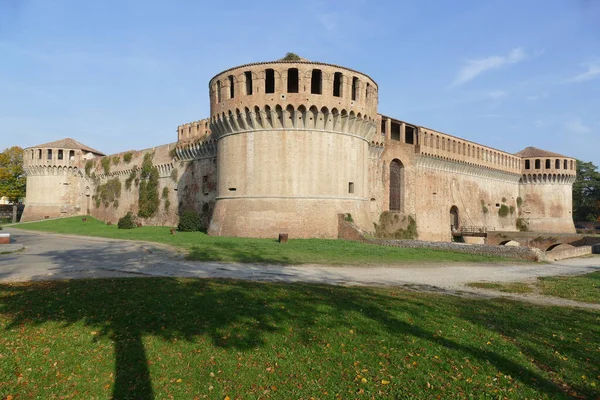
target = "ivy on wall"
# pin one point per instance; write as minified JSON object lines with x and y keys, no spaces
{"x":108,"y":193}
{"x":148,"y":188}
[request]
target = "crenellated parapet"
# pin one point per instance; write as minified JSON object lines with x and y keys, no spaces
{"x":538,"y":163}
{"x":193,"y":130}
{"x":197,"y":150}
{"x":433,"y":144}
{"x":52,"y":170}
{"x":548,"y":179}
{"x":289,"y":117}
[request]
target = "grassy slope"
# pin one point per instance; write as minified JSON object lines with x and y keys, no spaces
{"x":297,"y":251}
{"x":584,"y":288}
{"x":138,"y":338}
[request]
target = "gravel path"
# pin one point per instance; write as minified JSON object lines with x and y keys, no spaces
{"x":52,"y":256}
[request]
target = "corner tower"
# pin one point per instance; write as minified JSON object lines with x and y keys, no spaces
{"x":546,"y":190}
{"x":56,"y":186}
{"x":293,"y":148}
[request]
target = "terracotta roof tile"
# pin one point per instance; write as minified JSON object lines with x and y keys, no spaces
{"x":68,"y":143}
{"x":535,"y":152}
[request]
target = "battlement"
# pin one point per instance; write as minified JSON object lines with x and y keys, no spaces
{"x":192,"y":130}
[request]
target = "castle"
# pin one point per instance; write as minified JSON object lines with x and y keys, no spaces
{"x":290,"y":146}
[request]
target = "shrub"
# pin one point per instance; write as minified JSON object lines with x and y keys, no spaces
{"x":106,"y":165}
{"x":504,"y":199}
{"x":88,"y":167}
{"x":512,"y":210}
{"x":291,"y":57}
{"x":519,"y":201}
{"x":108,"y":193}
{"x":503,"y":211}
{"x":522,"y":225}
{"x":131,"y":177}
{"x":165,"y":193}
{"x":148,"y":188}
{"x":174,"y":174}
{"x":189,"y":221}
{"x":116,"y":160}
{"x":126,"y":222}
{"x":127,"y":157}
{"x":348,"y":218}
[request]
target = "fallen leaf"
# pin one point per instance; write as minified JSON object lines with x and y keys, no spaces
{"x":384,"y":382}
{"x":179,"y":380}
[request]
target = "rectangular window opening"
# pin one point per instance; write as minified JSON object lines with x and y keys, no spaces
{"x":232,"y":189}
{"x":409,"y":134}
{"x":354,"y":88}
{"x":50,"y":155}
{"x":557,"y":164}
{"x":292,"y":80}
{"x":231,"y":87}
{"x":218,"y":91}
{"x":538,"y":164}
{"x":548,"y":164}
{"x":269,"y":81}
{"x":248,"y":76}
{"x":350,"y":187}
{"x":527,"y":164}
{"x":337,"y":84}
{"x":60,"y":154}
{"x":316,"y":82}
{"x":395,"y":131}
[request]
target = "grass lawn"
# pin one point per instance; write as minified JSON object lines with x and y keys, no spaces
{"x":584,"y":288}
{"x":297,"y":251}
{"x":190,"y":338}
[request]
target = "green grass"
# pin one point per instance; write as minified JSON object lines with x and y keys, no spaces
{"x":297,"y":251}
{"x":192,"y":338}
{"x":584,"y":288}
{"x":509,"y":287}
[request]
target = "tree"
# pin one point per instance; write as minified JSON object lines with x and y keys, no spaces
{"x":586,"y":192}
{"x":12,"y":176}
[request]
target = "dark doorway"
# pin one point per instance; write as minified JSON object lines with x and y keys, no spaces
{"x":396,"y":185}
{"x":454,"y":220}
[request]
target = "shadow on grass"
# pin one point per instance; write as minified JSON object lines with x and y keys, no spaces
{"x":126,"y":310}
{"x":235,"y":252}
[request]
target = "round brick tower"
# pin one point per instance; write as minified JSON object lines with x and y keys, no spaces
{"x":293,"y":147}
{"x":545,"y":189}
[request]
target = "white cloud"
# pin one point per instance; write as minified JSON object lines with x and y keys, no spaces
{"x":538,"y":96}
{"x":475,"y":68}
{"x":576,"y":126}
{"x":592,"y":72}
{"x":496,"y":94}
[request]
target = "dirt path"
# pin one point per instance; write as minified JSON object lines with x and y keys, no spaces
{"x":51,"y":256}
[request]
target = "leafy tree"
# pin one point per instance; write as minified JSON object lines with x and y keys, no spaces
{"x":291,"y":57}
{"x":12,"y":176}
{"x":586,"y":192}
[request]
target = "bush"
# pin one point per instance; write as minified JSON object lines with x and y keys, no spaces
{"x":127,"y":222}
{"x":503,"y":211}
{"x":189,"y":221}
{"x":522,"y":225}
{"x":88,"y":167}
{"x":106,"y":165}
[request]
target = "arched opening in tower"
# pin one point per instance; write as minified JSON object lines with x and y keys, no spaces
{"x":454,"y":219}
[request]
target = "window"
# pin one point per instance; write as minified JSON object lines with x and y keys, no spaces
{"x":248,"y":76}
{"x":409,"y":134}
{"x":383,"y":126}
{"x":316,"y":82}
{"x":218,"y":91}
{"x":395,"y":134}
{"x":350,"y":187}
{"x":72,"y":155}
{"x":40,"y":154}
{"x":292,"y":80}
{"x":354,"y":88}
{"x":572,"y":167}
{"x":557,"y":164}
{"x":527,"y":164}
{"x":566,"y":165}
{"x":60,"y":154}
{"x":368,"y":86}
{"x":337,"y":84}
{"x":538,"y":164}
{"x":50,"y":155}
{"x":548,"y":164}
{"x":231,"y":87}
{"x":269,"y":81}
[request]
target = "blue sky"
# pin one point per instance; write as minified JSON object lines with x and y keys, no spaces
{"x":122,"y":74}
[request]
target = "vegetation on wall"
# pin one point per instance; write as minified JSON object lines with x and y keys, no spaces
{"x":12,"y":175}
{"x":88,"y":167}
{"x":165,"y":197}
{"x":115,"y":160}
{"x":504,"y":199}
{"x":291,"y":57}
{"x":503,"y":211}
{"x":148,"y":188}
{"x":586,"y":192}
{"x":105,"y":162}
{"x":388,"y":219}
{"x":108,"y":193}
{"x":519,"y":202}
{"x":511,"y":209}
{"x":174,"y":174}
{"x":522,"y":225}
{"x":127,"y":157}
{"x":484,"y":209}
{"x":131,"y":177}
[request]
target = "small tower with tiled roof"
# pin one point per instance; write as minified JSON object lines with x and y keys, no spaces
{"x":56,"y":184}
{"x":545,"y":189}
